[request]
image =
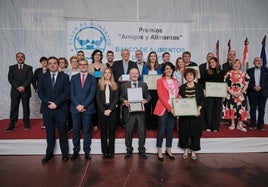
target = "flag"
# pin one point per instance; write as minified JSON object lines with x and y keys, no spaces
{"x":217,"y":49}
{"x":229,"y":48}
{"x":229,"y":45}
{"x":263,"y":53}
{"x":245,"y":54}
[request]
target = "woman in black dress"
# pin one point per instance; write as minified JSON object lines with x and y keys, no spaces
{"x":213,"y":105}
{"x":190,"y":127}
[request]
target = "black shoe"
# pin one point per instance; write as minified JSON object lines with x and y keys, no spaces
{"x":65,"y":157}
{"x":47,"y":158}
{"x":128,"y":155}
{"x":87,"y":156}
{"x":105,"y":156}
{"x":110,"y":155}
{"x":160,"y":158}
{"x":10,"y":129}
{"x":74,"y":156}
{"x":169,"y":156}
{"x":143,"y":155}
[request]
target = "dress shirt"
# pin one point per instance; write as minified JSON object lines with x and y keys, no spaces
{"x":257,"y":76}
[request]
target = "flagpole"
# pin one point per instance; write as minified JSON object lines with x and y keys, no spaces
{"x":263,"y":53}
{"x":245,"y":55}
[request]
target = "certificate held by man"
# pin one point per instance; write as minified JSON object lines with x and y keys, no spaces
{"x":185,"y":107}
{"x":151,"y":81}
{"x":216,"y":89}
{"x":135,"y":99}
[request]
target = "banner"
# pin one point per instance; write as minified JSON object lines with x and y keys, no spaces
{"x":115,"y":36}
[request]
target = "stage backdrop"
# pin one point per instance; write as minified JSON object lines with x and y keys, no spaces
{"x":109,"y":35}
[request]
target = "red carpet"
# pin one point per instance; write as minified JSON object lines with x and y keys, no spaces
{"x":37,"y":133}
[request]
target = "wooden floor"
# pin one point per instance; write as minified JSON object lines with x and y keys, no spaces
{"x":250,"y":169}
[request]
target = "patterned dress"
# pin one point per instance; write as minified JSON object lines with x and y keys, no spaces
{"x":236,"y":107}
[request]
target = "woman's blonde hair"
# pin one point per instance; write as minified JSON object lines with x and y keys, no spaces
{"x":101,"y":83}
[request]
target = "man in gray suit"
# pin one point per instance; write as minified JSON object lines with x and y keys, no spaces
{"x":135,"y":117}
{"x":20,"y":77}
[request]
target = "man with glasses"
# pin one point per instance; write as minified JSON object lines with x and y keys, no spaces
{"x":83,"y":88}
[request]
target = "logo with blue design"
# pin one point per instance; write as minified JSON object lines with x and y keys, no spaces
{"x":87,"y":37}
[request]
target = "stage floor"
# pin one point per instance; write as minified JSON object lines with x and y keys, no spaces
{"x":33,"y":142}
{"x":209,"y":170}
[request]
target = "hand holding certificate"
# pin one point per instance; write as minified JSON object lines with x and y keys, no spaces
{"x":185,"y":107}
{"x":135,"y":99}
{"x":151,"y":81}
{"x":216,"y":89}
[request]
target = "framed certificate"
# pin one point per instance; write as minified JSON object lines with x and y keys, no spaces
{"x":136,"y":107}
{"x":150,"y":80}
{"x":216,"y":89}
{"x":185,"y":107}
{"x":134,"y":94}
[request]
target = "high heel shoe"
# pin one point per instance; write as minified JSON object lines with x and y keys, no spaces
{"x":193,"y":156}
{"x":169,"y":156}
{"x":185,"y":154}
{"x":159,"y":158}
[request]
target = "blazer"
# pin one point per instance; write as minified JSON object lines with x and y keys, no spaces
{"x":145,"y":92}
{"x":114,"y":98}
{"x":163,"y":96}
{"x":84,"y":96}
{"x":59,"y":95}
{"x":263,"y":81}
{"x":198,"y":92}
{"x":145,"y":71}
{"x":118,"y":68}
{"x":36,"y":77}
{"x":24,"y":80}
{"x":226,"y":67}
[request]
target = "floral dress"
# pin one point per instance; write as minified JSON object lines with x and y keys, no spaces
{"x":235,"y":107}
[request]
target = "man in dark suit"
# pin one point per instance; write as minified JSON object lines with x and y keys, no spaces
{"x":20,"y":77}
{"x":119,"y":68}
{"x":135,"y":117}
{"x":227,"y":66}
{"x":122,"y":67}
{"x":54,"y":91}
{"x":257,"y":93}
{"x":83,"y":88}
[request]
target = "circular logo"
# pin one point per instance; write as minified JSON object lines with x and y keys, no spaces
{"x":88,"y":39}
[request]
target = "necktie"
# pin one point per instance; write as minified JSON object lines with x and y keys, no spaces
{"x":135,"y":84}
{"x":83,"y":80}
{"x":20,"y":70}
{"x":53,"y":80}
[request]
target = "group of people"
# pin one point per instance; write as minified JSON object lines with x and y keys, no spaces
{"x":98,"y":93}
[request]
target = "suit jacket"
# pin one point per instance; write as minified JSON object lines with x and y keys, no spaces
{"x":36,"y":77}
{"x":163,"y":96}
{"x":203,"y":69}
{"x":263,"y":81}
{"x":145,"y":92}
{"x":24,"y":80}
{"x":118,"y":68}
{"x":114,"y":98}
{"x":84,"y":96}
{"x":59,"y":95}
{"x":226,"y":67}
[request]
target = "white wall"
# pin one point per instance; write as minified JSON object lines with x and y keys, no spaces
{"x":37,"y":27}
